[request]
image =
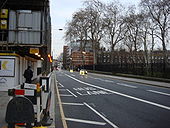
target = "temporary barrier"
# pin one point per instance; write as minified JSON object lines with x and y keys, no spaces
{"x":30,"y":105}
{"x":20,"y":110}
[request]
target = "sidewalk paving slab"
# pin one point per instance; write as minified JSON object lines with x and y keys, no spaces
{"x":142,"y":81}
{"x":4,"y":99}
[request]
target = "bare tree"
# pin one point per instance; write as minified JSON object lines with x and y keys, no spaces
{"x":77,"y":29}
{"x":95,"y":25}
{"x":159,"y":11}
{"x":144,"y":31}
{"x":113,"y":24}
{"x":132,"y":37}
{"x":87,"y":24}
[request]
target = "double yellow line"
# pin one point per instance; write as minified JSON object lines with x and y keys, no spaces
{"x":61,"y":109}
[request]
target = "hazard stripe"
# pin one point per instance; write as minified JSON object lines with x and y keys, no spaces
{"x":25,"y":92}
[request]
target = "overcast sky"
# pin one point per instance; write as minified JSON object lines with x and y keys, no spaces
{"x":61,"y":12}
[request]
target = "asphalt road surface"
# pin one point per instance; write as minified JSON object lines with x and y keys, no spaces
{"x":95,"y":101}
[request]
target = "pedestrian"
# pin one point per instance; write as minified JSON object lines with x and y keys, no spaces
{"x":28,"y":74}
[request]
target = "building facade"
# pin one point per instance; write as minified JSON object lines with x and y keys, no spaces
{"x":80,"y":54}
{"x":25,"y":39}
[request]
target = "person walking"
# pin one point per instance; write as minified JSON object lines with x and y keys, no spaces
{"x":28,"y":74}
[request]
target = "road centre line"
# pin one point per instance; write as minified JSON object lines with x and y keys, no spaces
{"x":104,"y":118}
{"x":71,"y":93}
{"x":159,"y":92}
{"x":85,"y":121}
{"x":61,"y":109}
{"x":76,"y":104}
{"x":121,"y":94}
{"x":126,"y":85}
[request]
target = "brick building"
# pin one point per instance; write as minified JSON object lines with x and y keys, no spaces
{"x":80,"y":59}
{"x":66,"y":57}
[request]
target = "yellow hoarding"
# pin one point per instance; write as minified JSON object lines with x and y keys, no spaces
{"x":34,"y":50}
{"x":3,"y":24}
{"x":4,"y":13}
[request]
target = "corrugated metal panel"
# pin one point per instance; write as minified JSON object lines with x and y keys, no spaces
{"x":12,"y":20}
{"x":25,"y":27}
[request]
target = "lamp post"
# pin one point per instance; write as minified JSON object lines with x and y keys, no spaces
{"x":83,"y":53}
{"x":56,"y":32}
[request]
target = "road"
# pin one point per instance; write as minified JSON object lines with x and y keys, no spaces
{"x":96,"y":101}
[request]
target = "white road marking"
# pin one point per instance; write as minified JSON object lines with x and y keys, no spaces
{"x":84,"y":89}
{"x":159,"y":92}
{"x":85,"y":121}
{"x":61,"y":85}
{"x":100,"y":92}
{"x":121,"y":94}
{"x":72,"y":74}
{"x":71,"y":93}
{"x":126,"y":85}
{"x":61,"y":109}
{"x":81,"y":94}
{"x":76,"y":104}
{"x":104,"y":118}
{"x":65,"y":95}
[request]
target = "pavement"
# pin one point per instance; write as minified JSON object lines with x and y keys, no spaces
{"x":4,"y":99}
{"x":148,"y":82}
